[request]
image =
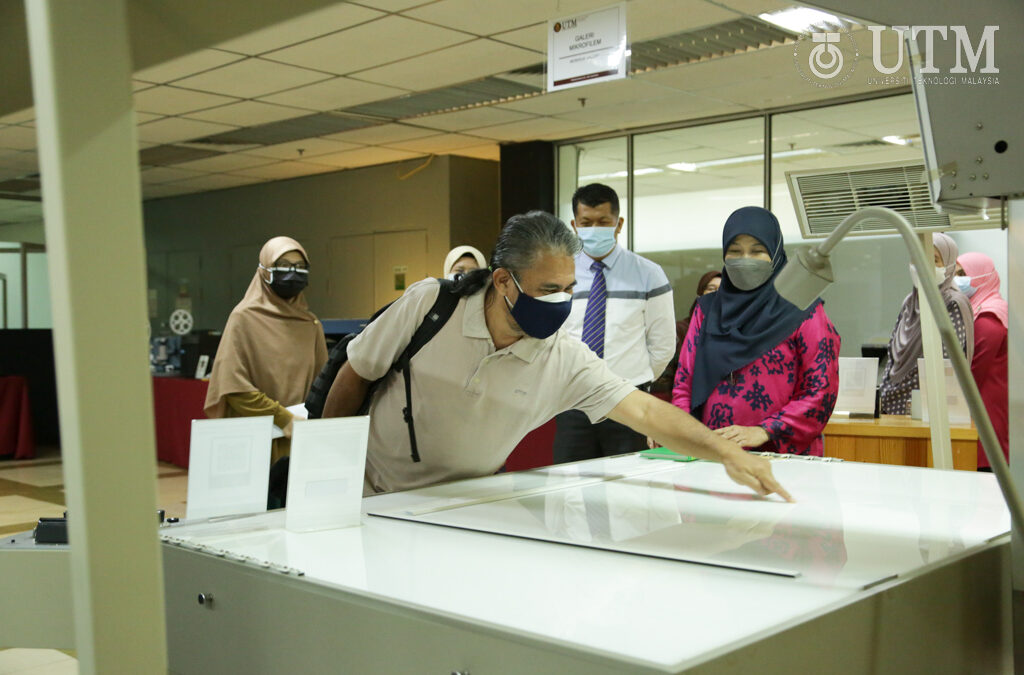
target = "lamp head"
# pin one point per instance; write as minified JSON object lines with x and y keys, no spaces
{"x":804,"y":278}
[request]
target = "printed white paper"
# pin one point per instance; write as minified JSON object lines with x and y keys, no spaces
{"x":229,"y":466}
{"x":325,"y":473}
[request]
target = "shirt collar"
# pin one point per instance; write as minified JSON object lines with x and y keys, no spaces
{"x":609,"y":260}
{"x":474,"y":325}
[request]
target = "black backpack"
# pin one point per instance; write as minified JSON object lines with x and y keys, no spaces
{"x":435,"y":319}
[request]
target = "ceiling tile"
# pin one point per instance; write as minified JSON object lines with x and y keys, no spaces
{"x":17,"y":138}
{"x":143,"y":117}
{"x":15,"y":163}
{"x":190,"y":64}
{"x":215,"y":181}
{"x":391,"y":5}
{"x":491,"y":152}
{"x":166,"y":100}
{"x":252,"y":78}
{"x":726,"y":70}
{"x":282,"y":170}
{"x":248,"y":113}
{"x":230,"y":162}
{"x":368,"y":45}
{"x":485,"y":18}
{"x":755,"y":7}
{"x":438,"y":145}
{"x":469,"y":61}
{"x":302,"y":28}
{"x":648,"y":19}
{"x":164,"y":174}
{"x":595,"y":95}
{"x":483,"y":116}
{"x":385,"y":133}
{"x":158,"y":190}
{"x":311,"y":147}
{"x":536,"y":129}
{"x":26,"y":115}
{"x":138,"y":85}
{"x":365,"y":157}
{"x":174,"y":129}
{"x":671,"y":108}
{"x":533,"y":37}
{"x":340,"y":92}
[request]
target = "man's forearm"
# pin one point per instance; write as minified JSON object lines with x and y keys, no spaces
{"x":347,"y":393}
{"x":671,"y":427}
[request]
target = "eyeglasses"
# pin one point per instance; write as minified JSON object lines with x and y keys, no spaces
{"x":301,"y":268}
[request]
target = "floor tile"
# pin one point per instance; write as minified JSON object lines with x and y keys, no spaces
{"x":18,"y":509}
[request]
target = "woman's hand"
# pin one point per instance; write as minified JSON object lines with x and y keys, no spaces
{"x":747,"y":437}
{"x":652,"y":444}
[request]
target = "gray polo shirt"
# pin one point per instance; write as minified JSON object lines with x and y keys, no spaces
{"x":472,"y":403}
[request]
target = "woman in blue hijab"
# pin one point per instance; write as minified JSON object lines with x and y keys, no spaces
{"x":754,"y":367}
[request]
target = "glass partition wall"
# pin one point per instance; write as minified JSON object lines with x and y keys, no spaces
{"x":685,"y":182}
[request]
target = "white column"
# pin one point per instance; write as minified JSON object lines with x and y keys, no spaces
{"x":935,"y":371}
{"x":1015,"y":349}
{"x":81,"y":70}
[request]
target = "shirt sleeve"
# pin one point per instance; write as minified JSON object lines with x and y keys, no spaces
{"x":802,"y":419}
{"x":683,"y":385}
{"x":258,"y":404}
{"x":660,"y":322}
{"x":373,"y":352}
{"x":591,"y":387}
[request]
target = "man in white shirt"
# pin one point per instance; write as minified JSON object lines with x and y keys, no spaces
{"x":622,"y":310}
{"x":499,"y":367}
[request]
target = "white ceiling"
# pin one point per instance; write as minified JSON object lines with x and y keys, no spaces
{"x":371,"y":50}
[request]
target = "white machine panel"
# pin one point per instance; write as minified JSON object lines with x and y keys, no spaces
{"x":853,"y":524}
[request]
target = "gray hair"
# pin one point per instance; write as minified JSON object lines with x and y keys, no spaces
{"x":528,"y":236}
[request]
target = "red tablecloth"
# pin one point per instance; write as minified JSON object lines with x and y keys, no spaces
{"x":16,"y":436}
{"x":176,"y":402}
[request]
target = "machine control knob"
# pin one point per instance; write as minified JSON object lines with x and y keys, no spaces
{"x":206,"y":599}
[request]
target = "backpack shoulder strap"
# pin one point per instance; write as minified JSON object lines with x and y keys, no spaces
{"x":433,"y":322}
{"x":437,"y":316}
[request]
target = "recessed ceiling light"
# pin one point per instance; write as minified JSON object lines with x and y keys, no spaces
{"x":896,"y":140}
{"x":742,"y":159}
{"x":800,"y":19}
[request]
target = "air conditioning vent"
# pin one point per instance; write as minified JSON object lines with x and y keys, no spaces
{"x":822,"y":199}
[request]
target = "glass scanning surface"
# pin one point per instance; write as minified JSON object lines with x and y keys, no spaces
{"x":852,"y":525}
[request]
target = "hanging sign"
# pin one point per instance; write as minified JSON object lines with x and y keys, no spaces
{"x":587,"y":48}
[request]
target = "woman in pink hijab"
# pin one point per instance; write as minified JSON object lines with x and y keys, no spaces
{"x":978,"y":280}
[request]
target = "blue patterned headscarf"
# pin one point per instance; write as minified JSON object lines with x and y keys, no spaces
{"x":739,"y":326}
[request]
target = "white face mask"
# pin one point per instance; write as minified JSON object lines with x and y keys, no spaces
{"x":940,"y":275}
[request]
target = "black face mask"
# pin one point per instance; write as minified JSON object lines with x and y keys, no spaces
{"x":289,"y":284}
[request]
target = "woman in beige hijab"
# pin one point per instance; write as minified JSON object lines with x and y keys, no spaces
{"x":273,"y":346}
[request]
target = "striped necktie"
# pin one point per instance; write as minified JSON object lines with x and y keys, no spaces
{"x":593,"y":318}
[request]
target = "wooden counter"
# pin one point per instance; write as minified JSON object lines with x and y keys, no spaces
{"x":897,"y":439}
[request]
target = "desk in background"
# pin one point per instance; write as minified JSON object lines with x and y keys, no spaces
{"x":176,"y":402}
{"x":16,"y":438}
{"x":897,"y":439}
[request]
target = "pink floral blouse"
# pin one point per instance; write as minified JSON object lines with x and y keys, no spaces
{"x":789,"y":391}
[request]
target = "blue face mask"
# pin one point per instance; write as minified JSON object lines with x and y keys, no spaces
{"x":963,"y":284}
{"x":539,"y":317}
{"x":597,"y":241}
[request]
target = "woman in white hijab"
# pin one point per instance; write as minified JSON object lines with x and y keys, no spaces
{"x":901,"y":376}
{"x":463,"y":259}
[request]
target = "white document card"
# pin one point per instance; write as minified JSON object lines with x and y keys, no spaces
{"x":229,"y":466}
{"x":325,"y":473}
{"x":857,"y":378}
